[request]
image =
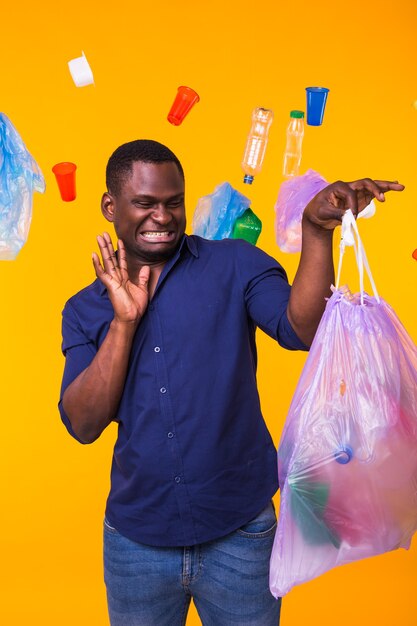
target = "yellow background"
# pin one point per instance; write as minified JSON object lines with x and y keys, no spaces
{"x":236,"y":55}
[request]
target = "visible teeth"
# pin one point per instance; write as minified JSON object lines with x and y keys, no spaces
{"x":155,"y":233}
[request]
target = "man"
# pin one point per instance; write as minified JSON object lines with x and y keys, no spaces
{"x":163,"y":342}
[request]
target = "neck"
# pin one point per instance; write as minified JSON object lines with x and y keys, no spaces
{"x":134,"y":266}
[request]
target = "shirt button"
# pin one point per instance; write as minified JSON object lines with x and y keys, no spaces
{"x":151,"y":307}
{"x":177,"y":479}
{"x":157,"y":349}
{"x":163,"y":390}
{"x":170,"y":435}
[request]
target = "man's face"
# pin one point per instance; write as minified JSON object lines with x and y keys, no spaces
{"x":148,"y":212}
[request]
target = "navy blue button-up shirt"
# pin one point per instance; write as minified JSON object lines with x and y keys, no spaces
{"x":193,"y":459}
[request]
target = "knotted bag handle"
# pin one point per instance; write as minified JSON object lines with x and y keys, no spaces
{"x":350,"y":236}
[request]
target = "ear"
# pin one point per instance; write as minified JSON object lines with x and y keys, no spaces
{"x":108,"y":206}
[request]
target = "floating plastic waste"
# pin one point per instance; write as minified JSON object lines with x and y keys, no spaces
{"x":294,"y":145}
{"x":20,"y":176}
{"x":293,"y":196}
{"x":80,"y":71}
{"x":247,"y":227}
{"x":184,"y":101}
{"x":256,"y":143}
{"x":316,"y":103}
{"x":65,"y":178}
{"x":216,"y":213}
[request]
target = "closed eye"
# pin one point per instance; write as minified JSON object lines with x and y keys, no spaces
{"x":143,"y":205}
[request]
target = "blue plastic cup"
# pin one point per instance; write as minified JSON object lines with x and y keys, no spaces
{"x":316,"y":103}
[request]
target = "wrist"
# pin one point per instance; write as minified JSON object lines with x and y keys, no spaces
{"x":126,"y":327}
{"x":315,"y":229}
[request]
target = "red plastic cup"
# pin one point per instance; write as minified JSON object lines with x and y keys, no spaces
{"x":65,"y":177}
{"x":183,"y":103}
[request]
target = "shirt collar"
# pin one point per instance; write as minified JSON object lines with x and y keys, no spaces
{"x":192,"y":244}
{"x":187,"y":240}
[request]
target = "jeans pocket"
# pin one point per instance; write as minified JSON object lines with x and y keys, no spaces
{"x":108,"y":527}
{"x":263,"y":525}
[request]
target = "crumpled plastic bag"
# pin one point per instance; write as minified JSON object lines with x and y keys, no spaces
{"x":347,"y":460}
{"x":216,"y":213}
{"x":293,"y":196}
{"x":20,"y":176}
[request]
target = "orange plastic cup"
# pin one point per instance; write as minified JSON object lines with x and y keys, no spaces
{"x":65,"y":177}
{"x":414,"y":255}
{"x":183,"y":103}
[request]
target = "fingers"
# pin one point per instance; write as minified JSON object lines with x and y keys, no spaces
{"x":97,"y":265}
{"x":110,"y":263}
{"x":343,"y":197}
{"x":121,"y":253}
{"x":328,"y":207}
{"x":349,"y":198}
{"x":110,"y":249}
{"x":144,"y":275}
{"x":366,"y":187}
{"x":105,"y":278}
{"x":387,"y":185}
{"x":375,"y":188}
{"x":357,"y":194}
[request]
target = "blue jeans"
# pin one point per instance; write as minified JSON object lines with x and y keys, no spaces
{"x":228,"y":579}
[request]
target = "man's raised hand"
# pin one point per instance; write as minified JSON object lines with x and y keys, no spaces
{"x":129,"y":300}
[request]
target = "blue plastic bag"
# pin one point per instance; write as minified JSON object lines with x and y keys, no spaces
{"x":215,"y":214}
{"x":20,"y":176}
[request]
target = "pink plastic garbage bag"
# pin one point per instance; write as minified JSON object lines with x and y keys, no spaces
{"x":293,"y":197}
{"x":347,"y":460}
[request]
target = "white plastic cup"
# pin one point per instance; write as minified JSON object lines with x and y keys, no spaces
{"x":81,"y":71}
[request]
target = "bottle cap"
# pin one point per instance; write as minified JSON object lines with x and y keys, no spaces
{"x":344,"y":454}
{"x":299,"y":114}
{"x":248,"y":179}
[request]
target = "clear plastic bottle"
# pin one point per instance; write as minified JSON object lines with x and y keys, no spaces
{"x":256,"y":143}
{"x":293,"y":150}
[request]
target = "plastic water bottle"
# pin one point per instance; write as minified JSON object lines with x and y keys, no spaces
{"x":248,"y":226}
{"x":295,"y":134}
{"x":256,"y":143}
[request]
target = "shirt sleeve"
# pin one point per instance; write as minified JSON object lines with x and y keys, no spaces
{"x":267,"y":293}
{"x":78,"y":350}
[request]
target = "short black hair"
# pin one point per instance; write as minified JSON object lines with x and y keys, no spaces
{"x":120,"y":163}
